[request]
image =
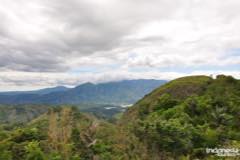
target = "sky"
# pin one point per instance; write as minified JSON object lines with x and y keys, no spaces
{"x":45,"y":43}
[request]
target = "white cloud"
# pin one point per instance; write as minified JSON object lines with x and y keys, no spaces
{"x":43,"y":42}
{"x":31,"y":81}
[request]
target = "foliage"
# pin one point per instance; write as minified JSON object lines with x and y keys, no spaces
{"x":34,"y":152}
{"x":187,"y":126}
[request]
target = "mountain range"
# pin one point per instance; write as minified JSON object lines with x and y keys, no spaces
{"x":120,"y":92}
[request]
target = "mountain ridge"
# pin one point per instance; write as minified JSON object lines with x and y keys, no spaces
{"x":38,"y":91}
{"x":118,"y":92}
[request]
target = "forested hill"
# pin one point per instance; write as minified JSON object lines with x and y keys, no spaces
{"x":122,"y":92}
{"x":187,"y":115}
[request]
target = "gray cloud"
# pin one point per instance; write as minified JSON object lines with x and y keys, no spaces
{"x":72,"y":29}
{"x":58,"y":37}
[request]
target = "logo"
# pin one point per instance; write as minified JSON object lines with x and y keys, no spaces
{"x":224,"y":152}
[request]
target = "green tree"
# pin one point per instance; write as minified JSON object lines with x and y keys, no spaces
{"x":34,"y":152}
{"x":5,"y":155}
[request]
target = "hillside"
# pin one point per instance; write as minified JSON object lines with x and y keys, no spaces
{"x":178,"y":89}
{"x":21,"y":113}
{"x":122,"y":92}
{"x":182,"y":118}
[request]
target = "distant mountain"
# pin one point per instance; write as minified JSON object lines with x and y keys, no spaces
{"x":121,"y":92}
{"x":40,"y":91}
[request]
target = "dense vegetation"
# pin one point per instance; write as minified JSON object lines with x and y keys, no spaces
{"x":188,"y":115}
{"x":176,"y":121}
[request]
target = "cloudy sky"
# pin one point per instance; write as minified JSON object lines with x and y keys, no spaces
{"x":47,"y":43}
